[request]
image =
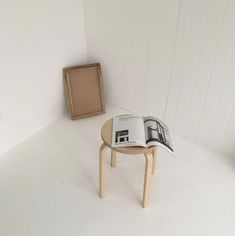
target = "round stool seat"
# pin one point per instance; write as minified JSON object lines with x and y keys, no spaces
{"x":106,"y":134}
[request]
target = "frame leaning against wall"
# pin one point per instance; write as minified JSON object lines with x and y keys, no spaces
{"x":84,"y":90}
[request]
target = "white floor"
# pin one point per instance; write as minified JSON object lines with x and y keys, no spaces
{"x":49,"y":184}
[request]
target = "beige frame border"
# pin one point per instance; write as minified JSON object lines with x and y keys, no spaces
{"x":68,"y":91}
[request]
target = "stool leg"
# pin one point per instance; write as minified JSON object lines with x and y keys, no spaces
{"x":154,"y":154}
{"x":102,"y":171}
{"x":113,"y":158}
{"x":147,"y":179}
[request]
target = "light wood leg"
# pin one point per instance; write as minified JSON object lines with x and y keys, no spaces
{"x":113,"y":158}
{"x":154,"y":154}
{"x":147,"y":179}
{"x":102,"y":171}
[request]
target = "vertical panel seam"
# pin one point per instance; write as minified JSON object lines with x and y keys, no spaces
{"x":195,"y":75}
{"x":220,"y":95}
{"x":173,"y":59}
{"x":210,"y":72}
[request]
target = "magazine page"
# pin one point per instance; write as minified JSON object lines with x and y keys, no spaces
{"x":128,"y":130}
{"x":157,"y":133}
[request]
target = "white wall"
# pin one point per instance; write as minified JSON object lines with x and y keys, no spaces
{"x":170,"y":58}
{"x":38,"y":39}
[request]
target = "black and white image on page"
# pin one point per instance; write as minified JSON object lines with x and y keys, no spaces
{"x":128,"y":130}
{"x":157,"y":133}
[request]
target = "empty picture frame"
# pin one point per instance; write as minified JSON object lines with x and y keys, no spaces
{"x":84,"y":91}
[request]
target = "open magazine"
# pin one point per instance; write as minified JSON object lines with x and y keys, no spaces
{"x":135,"y":130}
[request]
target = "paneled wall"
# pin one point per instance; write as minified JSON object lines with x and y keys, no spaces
{"x":171,"y":58}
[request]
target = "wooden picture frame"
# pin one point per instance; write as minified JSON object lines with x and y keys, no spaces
{"x":84,"y":90}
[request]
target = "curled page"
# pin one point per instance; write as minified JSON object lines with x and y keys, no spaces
{"x":157,"y":133}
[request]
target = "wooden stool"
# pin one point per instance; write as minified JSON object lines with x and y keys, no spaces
{"x":150,"y":156}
